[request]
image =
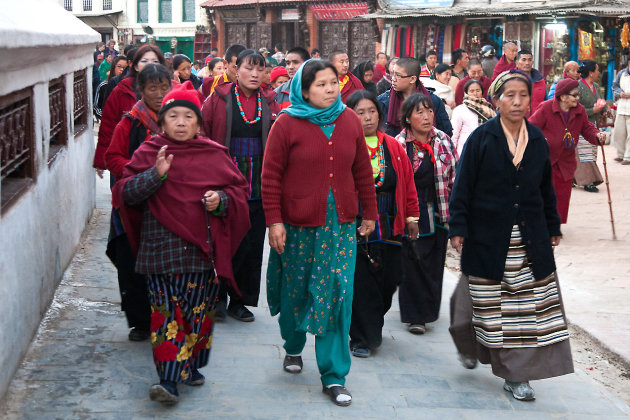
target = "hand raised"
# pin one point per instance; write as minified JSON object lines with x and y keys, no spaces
{"x":163,"y":163}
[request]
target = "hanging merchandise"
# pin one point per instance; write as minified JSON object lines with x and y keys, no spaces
{"x":440,"y":49}
{"x":384,"y":39}
{"x":625,"y":32}
{"x":448,"y":41}
{"x":586,"y":50}
{"x":398,"y":40}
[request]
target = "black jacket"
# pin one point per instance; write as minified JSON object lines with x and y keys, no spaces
{"x":490,"y":195}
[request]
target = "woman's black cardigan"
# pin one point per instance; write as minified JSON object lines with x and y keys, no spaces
{"x":490,"y":195}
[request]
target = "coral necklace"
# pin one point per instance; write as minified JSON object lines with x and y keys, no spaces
{"x":240,"y":106}
{"x":375,"y":152}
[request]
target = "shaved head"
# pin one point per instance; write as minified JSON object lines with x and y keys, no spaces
{"x":571,"y":69}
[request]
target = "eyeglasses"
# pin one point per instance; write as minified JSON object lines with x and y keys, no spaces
{"x":400,"y":76}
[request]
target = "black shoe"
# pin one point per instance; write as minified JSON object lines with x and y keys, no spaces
{"x":591,"y":188}
{"x":138,"y":335}
{"x":220,"y":309}
{"x":292,"y":364}
{"x":197,"y":379}
{"x":164,"y":392}
{"x":239,"y":312}
{"x":362,"y":352}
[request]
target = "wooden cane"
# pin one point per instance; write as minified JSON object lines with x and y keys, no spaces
{"x":612,"y":219}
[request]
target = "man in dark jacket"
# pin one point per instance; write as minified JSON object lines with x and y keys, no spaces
{"x":405,"y":81}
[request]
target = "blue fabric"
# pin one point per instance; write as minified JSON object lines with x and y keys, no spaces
{"x":301,"y":109}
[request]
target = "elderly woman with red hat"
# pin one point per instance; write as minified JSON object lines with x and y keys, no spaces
{"x":192,"y":210}
{"x":562,"y":120}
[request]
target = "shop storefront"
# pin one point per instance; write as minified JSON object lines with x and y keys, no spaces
{"x":311,"y":24}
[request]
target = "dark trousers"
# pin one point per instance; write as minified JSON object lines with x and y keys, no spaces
{"x":247,"y":262}
{"x":374,"y":288}
{"x":420,"y":291}
{"x":133,"y":287}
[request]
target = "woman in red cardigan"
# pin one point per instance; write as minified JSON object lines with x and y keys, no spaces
{"x":316,"y":170}
{"x":562,"y":120}
{"x":379,"y":265}
{"x":121,"y":100}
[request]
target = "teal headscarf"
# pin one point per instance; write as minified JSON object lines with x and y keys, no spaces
{"x":301,"y":109}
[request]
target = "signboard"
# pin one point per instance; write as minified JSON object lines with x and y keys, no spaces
{"x":339,"y":11}
{"x":289,"y":14}
{"x":410,"y":4}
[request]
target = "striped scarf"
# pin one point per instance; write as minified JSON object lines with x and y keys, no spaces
{"x":147,"y":117}
{"x":481,"y":107}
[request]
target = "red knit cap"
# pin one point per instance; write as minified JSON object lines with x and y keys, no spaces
{"x":277,"y":72}
{"x":209,"y":59}
{"x":182,"y":95}
{"x":565,"y":86}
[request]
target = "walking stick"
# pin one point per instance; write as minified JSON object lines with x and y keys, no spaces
{"x":612,"y":219}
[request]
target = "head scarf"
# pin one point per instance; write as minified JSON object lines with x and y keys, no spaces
{"x":505,"y":77}
{"x":300,"y":108}
{"x":565,"y":86}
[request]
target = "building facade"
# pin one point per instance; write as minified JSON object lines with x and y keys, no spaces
{"x":326,"y":25}
{"x":170,"y":24}
{"x":47,"y":188}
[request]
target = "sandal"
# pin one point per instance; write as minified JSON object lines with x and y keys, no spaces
{"x":292,"y":364}
{"x":335,"y":391}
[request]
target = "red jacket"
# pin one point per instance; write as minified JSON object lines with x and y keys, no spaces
{"x":217,"y":114}
{"x":117,"y":154}
{"x":539,"y":91}
{"x":379,"y":72}
{"x":502,"y":65}
{"x":548,"y":117}
{"x":301,"y":165}
{"x":206,"y":85}
{"x":406,"y":194}
{"x":121,"y":100}
{"x":353,"y":84}
{"x":459,"y":90}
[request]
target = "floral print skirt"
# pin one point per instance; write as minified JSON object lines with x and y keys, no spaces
{"x":182,"y":321}
{"x":315,"y":272}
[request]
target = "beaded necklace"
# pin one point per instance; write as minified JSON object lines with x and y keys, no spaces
{"x":240,"y":106}
{"x":378,"y":152}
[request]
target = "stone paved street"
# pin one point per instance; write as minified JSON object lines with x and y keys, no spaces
{"x":81,"y":365}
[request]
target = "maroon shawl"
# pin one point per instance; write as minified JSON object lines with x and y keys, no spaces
{"x":199,"y":165}
{"x":395,"y":103}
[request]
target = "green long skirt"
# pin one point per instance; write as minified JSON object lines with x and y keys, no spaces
{"x":315,"y":273}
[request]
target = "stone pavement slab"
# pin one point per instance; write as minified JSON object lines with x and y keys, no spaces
{"x":81,"y":366}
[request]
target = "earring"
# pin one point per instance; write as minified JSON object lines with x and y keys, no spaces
{"x":406,"y":119}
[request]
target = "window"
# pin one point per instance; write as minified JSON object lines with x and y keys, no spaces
{"x":143,"y":11}
{"x":67,"y":4}
{"x":107,"y":4}
{"x":57,"y":106}
{"x":80,"y":105}
{"x":87,"y":5}
{"x":17,"y":160}
{"x":188,"y":7}
{"x":165,"y":11}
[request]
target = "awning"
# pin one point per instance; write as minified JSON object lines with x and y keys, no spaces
{"x":338,"y":11}
{"x":398,"y":9}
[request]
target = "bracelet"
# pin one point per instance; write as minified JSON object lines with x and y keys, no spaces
{"x":163,"y":177}
{"x":274,"y":224}
{"x":412,"y":219}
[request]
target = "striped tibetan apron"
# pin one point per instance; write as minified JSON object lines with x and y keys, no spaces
{"x":520,"y":311}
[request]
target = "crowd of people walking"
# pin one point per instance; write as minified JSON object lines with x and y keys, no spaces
{"x":358,"y":178}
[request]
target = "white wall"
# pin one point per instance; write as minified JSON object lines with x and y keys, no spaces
{"x":177,"y":27}
{"x":41,"y":229}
